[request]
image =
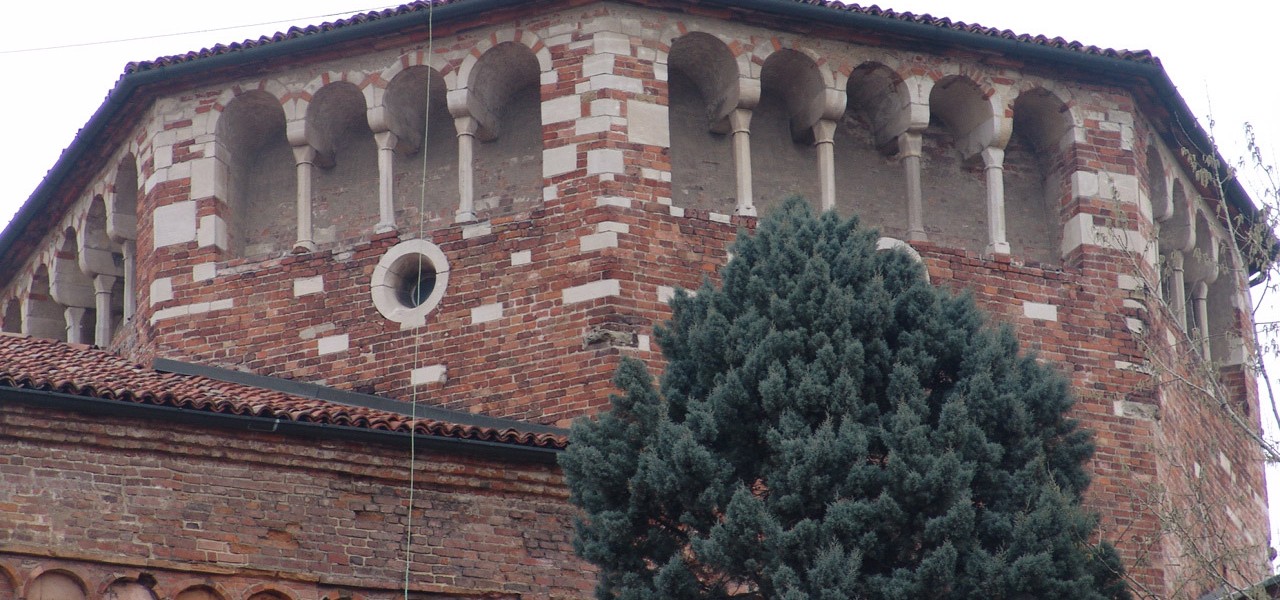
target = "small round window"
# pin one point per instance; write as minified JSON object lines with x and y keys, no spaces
{"x":409,"y":281}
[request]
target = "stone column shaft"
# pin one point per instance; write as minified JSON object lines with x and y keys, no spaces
{"x":386,"y":181}
{"x":305,"y":157}
{"x":103,"y":326}
{"x":910,"y":147}
{"x":130,"y":278}
{"x":824,"y":138}
{"x":74,"y":316}
{"x":466,"y":127}
{"x":993,"y":161}
{"x":740,"y":123}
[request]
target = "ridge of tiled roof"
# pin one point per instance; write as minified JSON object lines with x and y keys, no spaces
{"x":38,"y":364}
{"x":1140,"y":56}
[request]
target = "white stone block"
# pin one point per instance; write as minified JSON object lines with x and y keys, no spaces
{"x":161,"y":290}
{"x":1128,"y":282}
{"x":614,"y":226}
{"x":332,"y":344}
{"x":647,"y":124}
{"x":597,"y":241}
{"x":308,"y":285}
{"x":1039,"y":311}
{"x":204,"y":271}
{"x":665,"y":293}
{"x":590,"y":125}
{"x":1134,"y":410}
{"x":486,"y":313}
{"x":1134,"y":325}
{"x":676,"y":211}
{"x":310,"y":333}
{"x":613,"y":43}
{"x":476,"y":230}
{"x":719,"y":218}
{"x":221,"y":304}
{"x":204,"y":177}
{"x":565,"y":108}
{"x":642,"y":343}
{"x":619,"y":201}
{"x":213,"y":232}
{"x":604,"y":161}
{"x":617,"y":82}
{"x":606,"y":106}
{"x":558,"y":161}
{"x":428,"y":375}
{"x":592,"y":291}
{"x":597,"y":64}
{"x":550,"y":192}
{"x":548,"y":77}
{"x":174,"y":224}
{"x":522,"y":257}
{"x":163,"y":156}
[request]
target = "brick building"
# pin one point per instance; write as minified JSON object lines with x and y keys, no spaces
{"x":307,"y":258}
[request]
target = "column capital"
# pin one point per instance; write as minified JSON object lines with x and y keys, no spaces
{"x":102,"y":284}
{"x":824,"y":132}
{"x":992,"y":157}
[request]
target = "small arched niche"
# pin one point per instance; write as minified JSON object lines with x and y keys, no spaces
{"x":11,"y":322}
{"x":1036,"y":172}
{"x":55,"y":585}
{"x":102,"y":258}
{"x":43,"y":317}
{"x":73,"y":289}
{"x":344,"y":193}
{"x":869,"y":183}
{"x":785,"y":163}
{"x":199,"y":592}
{"x":1175,"y":237}
{"x":1201,"y":270}
{"x":952,"y":179}
{"x":269,"y":595}
{"x":1225,"y":304}
{"x":1157,"y":185}
{"x":261,"y":175}
{"x":702,"y":89}
{"x":508,"y":161}
{"x":128,"y":590}
{"x":408,"y":108}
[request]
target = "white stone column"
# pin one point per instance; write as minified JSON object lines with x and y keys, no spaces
{"x":466,"y":127}
{"x":130,"y":278}
{"x":305,"y":156}
{"x":74,"y":316}
{"x":386,"y":181}
{"x":993,"y":161}
{"x":910,"y":147}
{"x":1177,"y":289}
{"x":824,"y":138}
{"x":740,"y":123}
{"x":102,"y":285}
{"x":1199,"y":299}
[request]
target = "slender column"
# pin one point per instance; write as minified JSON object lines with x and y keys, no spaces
{"x":305,"y":156}
{"x":1178,"y":291}
{"x":102,"y":285}
{"x":386,"y":181}
{"x":740,"y":122}
{"x":466,"y":127}
{"x":993,"y":160}
{"x":130,"y":278}
{"x":910,"y":147}
{"x":1199,"y":296}
{"x":74,"y":316}
{"x":824,"y":138}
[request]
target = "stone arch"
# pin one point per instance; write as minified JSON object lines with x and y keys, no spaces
{"x":11,"y":320}
{"x":56,"y":585}
{"x":344,"y":193}
{"x":42,"y":316}
{"x":1037,"y":175}
{"x":1200,"y":271}
{"x":200,"y":592}
{"x":792,"y":100}
{"x":868,"y":182}
{"x":702,"y":89}
{"x":254,"y":153}
{"x":522,"y":37}
{"x":953,"y":184}
{"x":504,"y":97}
{"x":100,"y":253}
{"x":407,"y":107}
{"x":268,"y":591}
{"x":128,"y":589}
{"x":73,"y":289}
{"x":122,"y":202}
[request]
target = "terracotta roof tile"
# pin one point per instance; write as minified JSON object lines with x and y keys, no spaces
{"x":38,"y":364}
{"x":1142,"y":56}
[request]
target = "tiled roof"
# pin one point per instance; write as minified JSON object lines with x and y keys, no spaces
{"x":38,"y":364}
{"x":1142,"y":56}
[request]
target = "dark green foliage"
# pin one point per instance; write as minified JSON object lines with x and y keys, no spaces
{"x":829,"y":426}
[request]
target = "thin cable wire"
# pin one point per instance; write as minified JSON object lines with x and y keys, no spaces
{"x":417,"y":341}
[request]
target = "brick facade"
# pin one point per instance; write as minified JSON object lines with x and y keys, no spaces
{"x":549,"y":285}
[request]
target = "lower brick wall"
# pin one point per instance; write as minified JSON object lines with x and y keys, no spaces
{"x":103,"y":498}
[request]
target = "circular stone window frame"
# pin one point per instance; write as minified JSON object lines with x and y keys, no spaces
{"x":399,"y":261}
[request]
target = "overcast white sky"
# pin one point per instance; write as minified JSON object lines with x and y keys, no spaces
{"x":1221,"y":55}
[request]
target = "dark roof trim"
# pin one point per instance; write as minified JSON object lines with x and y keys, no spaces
{"x":115,"y":408}
{"x":811,"y":10}
{"x":328,"y":394}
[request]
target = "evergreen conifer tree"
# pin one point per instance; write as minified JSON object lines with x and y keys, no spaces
{"x":830,"y":426}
